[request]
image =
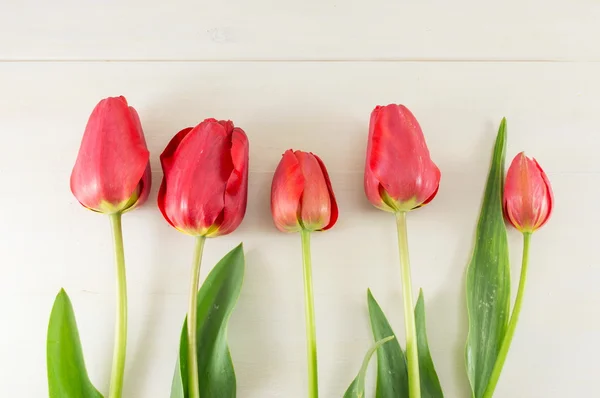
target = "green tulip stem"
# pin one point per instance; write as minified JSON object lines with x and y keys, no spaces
{"x":309,"y":303}
{"x":194,"y":383}
{"x":120,"y":345}
{"x":512,"y":323}
{"x":412,"y":356}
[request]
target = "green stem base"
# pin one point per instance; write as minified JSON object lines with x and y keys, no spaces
{"x":311,"y":335}
{"x":412,"y":355}
{"x":194,"y":383}
{"x":120,"y":345}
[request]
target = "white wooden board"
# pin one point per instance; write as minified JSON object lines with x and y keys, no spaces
{"x":49,"y":241}
{"x":299,"y":30}
{"x":304,"y":75}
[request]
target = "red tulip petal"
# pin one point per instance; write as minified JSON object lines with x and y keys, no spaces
{"x":112,"y":157}
{"x":138,"y":123}
{"x":236,"y":192}
{"x":539,"y":194}
{"x":334,"y":207}
{"x":528,"y":198}
{"x":315,"y":208}
{"x":228,"y":124}
{"x":373,"y":188}
{"x":166,"y":157}
{"x":548,"y":194}
{"x":166,"y":161}
{"x":286,"y":193}
{"x":146,"y":181}
{"x":437,"y":175}
{"x":371,"y":183}
{"x":145,"y":184}
{"x":516,"y":191}
{"x":398,"y":156}
{"x":197,"y":176}
{"x":162,"y":191}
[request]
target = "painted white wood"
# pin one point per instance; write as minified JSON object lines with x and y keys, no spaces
{"x":48,"y":241}
{"x":299,"y":30}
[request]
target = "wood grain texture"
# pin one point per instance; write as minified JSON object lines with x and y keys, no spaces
{"x":312,"y":29}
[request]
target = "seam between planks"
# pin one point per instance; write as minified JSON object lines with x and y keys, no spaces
{"x":293,"y":60}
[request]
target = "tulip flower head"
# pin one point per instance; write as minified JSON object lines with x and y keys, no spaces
{"x":301,"y":194}
{"x":204,"y":190}
{"x":112,"y":170}
{"x":399,"y":172}
{"x":528,"y":198}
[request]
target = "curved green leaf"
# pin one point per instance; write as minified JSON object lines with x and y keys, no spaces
{"x":430,"y":383}
{"x":357,"y":388}
{"x":488,"y":277}
{"x":67,"y":375}
{"x":180,"y":376}
{"x":392,"y":373}
{"x":216,"y":300}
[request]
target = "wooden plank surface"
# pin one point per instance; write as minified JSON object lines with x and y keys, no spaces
{"x":323,"y":107}
{"x":299,"y":30}
{"x":49,"y":241}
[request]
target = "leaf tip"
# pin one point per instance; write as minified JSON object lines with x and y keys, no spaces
{"x":502,"y":129}
{"x":386,"y":339}
{"x":61,"y":296}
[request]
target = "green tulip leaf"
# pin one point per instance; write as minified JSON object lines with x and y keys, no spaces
{"x":392,"y":371}
{"x":180,"y":376}
{"x":216,"y":300}
{"x":488,"y":278}
{"x":67,"y":375}
{"x":357,"y":388}
{"x":430,"y":383}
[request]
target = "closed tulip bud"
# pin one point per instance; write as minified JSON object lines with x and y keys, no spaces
{"x":204,"y":190}
{"x":399,"y":172}
{"x":301,"y":194}
{"x":112,"y":171}
{"x":528,"y":197}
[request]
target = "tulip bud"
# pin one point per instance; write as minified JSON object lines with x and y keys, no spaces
{"x":112,"y":171}
{"x":528,"y":197}
{"x":399,"y":173}
{"x":204,"y":190}
{"x":301,"y":194}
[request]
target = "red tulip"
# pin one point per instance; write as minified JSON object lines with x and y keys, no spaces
{"x":205,"y":185}
{"x":528,"y":197}
{"x":301,"y":194}
{"x":112,"y":171}
{"x":399,"y":173}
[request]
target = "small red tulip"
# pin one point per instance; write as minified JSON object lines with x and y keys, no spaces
{"x":204,"y":190}
{"x":112,"y":171}
{"x":528,"y":197}
{"x":399,"y":173}
{"x":301,"y":194}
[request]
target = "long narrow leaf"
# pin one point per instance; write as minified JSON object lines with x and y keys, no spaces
{"x":430,"y":383}
{"x":392,"y":373}
{"x":488,"y":278}
{"x":67,"y":375}
{"x":357,"y":388}
{"x":179,"y":386}
{"x":216,"y":300}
